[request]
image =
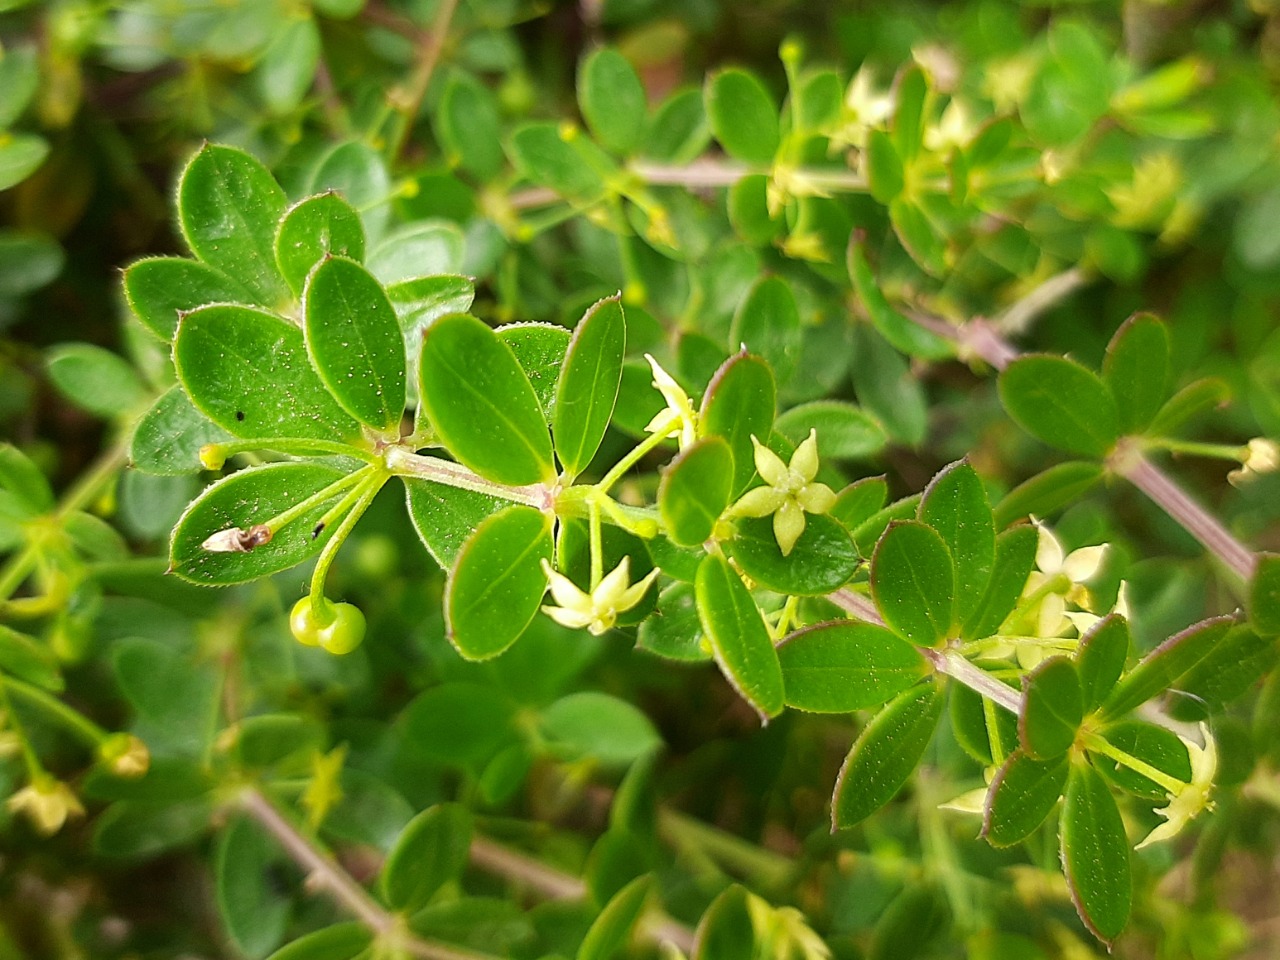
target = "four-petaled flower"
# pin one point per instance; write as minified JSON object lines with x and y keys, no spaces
{"x":677,"y":418}
{"x":47,"y":803}
{"x":789,"y":492}
{"x":599,"y":609}
{"x":1193,"y":797}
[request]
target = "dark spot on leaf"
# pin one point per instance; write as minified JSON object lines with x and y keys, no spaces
{"x":239,"y":414}
{"x":319,"y":529}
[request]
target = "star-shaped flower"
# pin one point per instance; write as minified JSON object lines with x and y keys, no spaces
{"x":789,"y":493}
{"x":1193,"y":798}
{"x":678,"y":417}
{"x":1078,"y":566}
{"x":598,"y":610}
{"x":47,"y":802}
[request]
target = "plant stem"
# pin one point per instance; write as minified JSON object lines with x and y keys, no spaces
{"x":1129,"y":463}
{"x":975,"y":678}
{"x":402,"y":463}
{"x":1018,"y":316}
{"x":70,"y":718}
{"x":290,"y":448}
{"x":631,"y":459}
{"x":411,"y":99}
{"x":367,"y":492}
{"x":1101,"y":745}
{"x":287,"y":517}
{"x":856,"y":605}
{"x":770,"y":870}
{"x":335,"y":881}
{"x":703,"y":173}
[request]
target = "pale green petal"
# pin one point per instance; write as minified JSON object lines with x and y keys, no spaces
{"x":573,"y":619}
{"x":1083,"y":564}
{"x":788,"y":524}
{"x":816,"y":498}
{"x":770,"y":466}
{"x":1048,"y":551}
{"x":613,"y":586}
{"x":602,"y":623}
{"x":636,"y":592}
{"x":565,"y":592}
{"x":805,"y":460}
{"x":759,"y":502}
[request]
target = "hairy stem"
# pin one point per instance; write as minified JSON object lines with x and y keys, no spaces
{"x":1129,"y":463}
{"x":405,"y":464}
{"x":1018,"y":316}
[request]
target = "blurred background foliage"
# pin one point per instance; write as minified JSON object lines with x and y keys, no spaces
{"x":1139,"y":170}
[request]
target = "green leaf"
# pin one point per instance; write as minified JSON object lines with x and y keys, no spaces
{"x":1015,"y":557}
{"x":884,"y":167}
{"x":19,"y":80}
{"x":288,"y":65}
{"x":1100,"y":659}
{"x":469,"y":126}
{"x":955,"y":504}
{"x":678,"y":131}
{"x":20,"y":155}
{"x":1095,"y":854}
{"x":167,"y":440}
{"x":911,"y":88}
{"x":481,"y":405}
{"x":28,"y":261}
{"x":1264,"y":595}
{"x":743,"y":116}
{"x":459,"y":724}
{"x":767,"y":323}
{"x":1136,"y":371}
{"x":254,"y":910}
{"x":887,"y":388}
{"x":496,"y":583}
{"x":540,"y":349}
{"x":913,"y":582}
{"x":430,"y":852}
{"x":541,"y":153}
{"x":740,"y":403}
{"x":844,"y":431}
{"x":358,"y":172}
{"x":823,"y":559}
{"x":918,"y":236}
{"x":228,"y":207}
{"x":1229,"y":670}
{"x":242,"y":500}
{"x":1151,"y":744}
{"x":1061,"y":403}
{"x":968,"y":712}
{"x":739,"y":638}
{"x":1021,"y":796}
{"x":749,"y":211}
{"x":21,"y":477}
{"x":140,"y":829}
{"x":597,"y":726}
{"x":1199,"y":396}
{"x":612,"y":100}
{"x":727,"y":929}
{"x":266,"y":739}
{"x":353,"y":339}
{"x":1048,"y":491}
{"x":158,"y":289}
{"x":841,"y":667}
{"x":859,"y":501}
{"x":1165,"y":665}
{"x":675,"y":630}
{"x":247,"y":371}
{"x":27,"y":659}
{"x":587,"y":387}
{"x":885,"y":754}
{"x":611,"y":930}
{"x":694,"y":491}
{"x":315,"y":228}
{"x":911,"y":338}
{"x":872,"y":529}
{"x":95,"y":380}
{"x":445,"y":516}
{"x":342,"y":941}
{"x":1052,"y":708}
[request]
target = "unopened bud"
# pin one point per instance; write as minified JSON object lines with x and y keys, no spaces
{"x":125,"y":755}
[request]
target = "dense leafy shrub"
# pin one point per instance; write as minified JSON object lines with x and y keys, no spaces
{"x":678,"y":479}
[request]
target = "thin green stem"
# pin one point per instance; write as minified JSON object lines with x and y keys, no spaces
{"x":366,"y":492}
{"x":617,"y":471}
{"x":597,"y":544}
{"x":32,"y":762}
{"x":290,"y":447}
{"x":770,"y":870}
{"x":1194,"y":448}
{"x":282,"y":520}
{"x":993,"y":731}
{"x":1099,"y":744}
{"x":69,"y":717}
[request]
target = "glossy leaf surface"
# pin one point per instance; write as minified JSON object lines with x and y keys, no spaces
{"x":739,"y":638}
{"x":841,"y":667}
{"x":695,"y":490}
{"x":587,"y":387}
{"x":913,"y":582}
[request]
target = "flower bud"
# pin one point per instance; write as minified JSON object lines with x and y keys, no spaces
{"x":125,"y":755}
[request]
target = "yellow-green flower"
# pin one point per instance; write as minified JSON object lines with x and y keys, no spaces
{"x":47,"y":803}
{"x":1193,"y":798}
{"x":678,"y":417}
{"x":1261,"y":456}
{"x":789,"y":492}
{"x":598,"y":610}
{"x":125,"y":755}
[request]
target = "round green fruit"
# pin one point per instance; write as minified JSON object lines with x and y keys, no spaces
{"x":340,"y":632}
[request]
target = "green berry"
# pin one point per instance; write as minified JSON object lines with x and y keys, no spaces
{"x":341,"y":631}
